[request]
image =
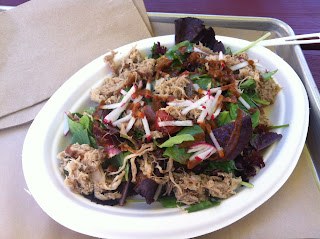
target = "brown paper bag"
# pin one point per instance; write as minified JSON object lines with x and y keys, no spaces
{"x":43,"y":43}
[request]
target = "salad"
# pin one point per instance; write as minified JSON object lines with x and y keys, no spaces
{"x":183,"y":126}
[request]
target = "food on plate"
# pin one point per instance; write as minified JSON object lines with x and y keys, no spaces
{"x":184,"y":126}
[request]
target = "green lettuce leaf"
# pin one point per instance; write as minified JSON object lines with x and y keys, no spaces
{"x":192,"y":130}
{"x":178,"y":139}
{"x":225,"y":166}
{"x":169,"y":202}
{"x":268,"y":75}
{"x":201,"y":206}
{"x":248,"y":84}
{"x":81,"y":137}
{"x":177,"y":154}
{"x":82,"y":131}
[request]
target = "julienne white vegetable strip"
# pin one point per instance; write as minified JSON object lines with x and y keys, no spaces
{"x":146,"y":128}
{"x":245,"y":104}
{"x":195,"y":104}
{"x":175,"y":123}
{"x":112,"y":106}
{"x":65,"y":124}
{"x":114,"y":115}
{"x":130,"y":124}
{"x":123,"y":119}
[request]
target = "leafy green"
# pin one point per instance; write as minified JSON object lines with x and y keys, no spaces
{"x":171,"y":52}
{"x":268,"y":75}
{"x":248,"y":84}
{"x":178,"y":139}
{"x":246,"y":184}
{"x":86,"y":122}
{"x":174,"y":55}
{"x":255,"y":118}
{"x":202,"y":80}
{"x":224,"y":118}
{"x":233,"y":110}
{"x":117,"y":161}
{"x":169,"y":202}
{"x":177,"y":154}
{"x":279,"y":126}
{"x":259,"y":101}
{"x":91,"y":110}
{"x":157,"y":51}
{"x":180,"y":154}
{"x":192,"y":130}
{"x":81,"y":137}
{"x":201,"y":206}
{"x":228,"y":51}
{"x":138,"y":134}
{"x":225,"y":166}
{"x":252,"y":44}
{"x":248,"y":100}
{"x":81,"y":132}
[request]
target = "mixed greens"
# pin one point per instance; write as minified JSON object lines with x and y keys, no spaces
{"x":184,"y":127}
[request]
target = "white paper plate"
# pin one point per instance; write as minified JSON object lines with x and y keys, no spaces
{"x":138,"y":220}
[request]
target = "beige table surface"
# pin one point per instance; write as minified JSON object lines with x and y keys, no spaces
{"x":293,"y":212}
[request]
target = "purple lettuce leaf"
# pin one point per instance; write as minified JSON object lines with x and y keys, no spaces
{"x":223,"y":135}
{"x":264,"y":139}
{"x":193,"y":30}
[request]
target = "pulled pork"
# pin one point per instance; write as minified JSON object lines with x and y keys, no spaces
{"x":84,"y":175}
{"x":175,"y":86}
{"x":190,"y":188}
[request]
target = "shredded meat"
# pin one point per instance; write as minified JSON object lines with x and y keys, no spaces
{"x":172,"y":86}
{"x":190,"y":188}
{"x":204,"y":49}
{"x":109,"y":88}
{"x":109,"y":60}
{"x":175,"y":112}
{"x":131,"y":70}
{"x":82,"y":166}
{"x":268,"y":90}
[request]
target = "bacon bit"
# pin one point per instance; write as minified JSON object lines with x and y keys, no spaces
{"x":134,"y":96}
{"x":192,"y":163}
{"x":184,"y":73}
{"x":111,"y":168}
{"x":140,"y":115}
{"x":135,"y":109}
